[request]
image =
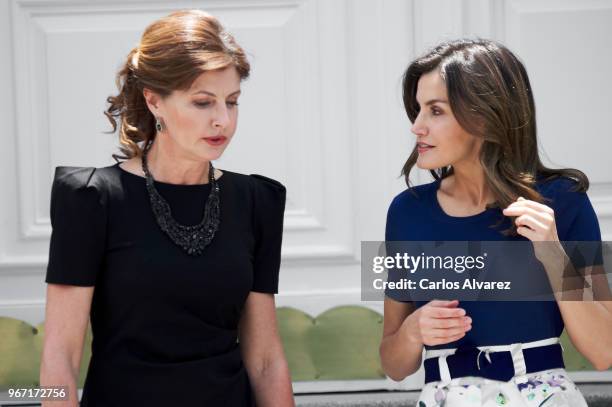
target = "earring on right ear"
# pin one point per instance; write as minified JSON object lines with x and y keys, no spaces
{"x":158,"y":125}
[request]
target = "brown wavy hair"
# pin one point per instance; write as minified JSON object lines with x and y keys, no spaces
{"x":172,"y":53}
{"x":490,"y":96}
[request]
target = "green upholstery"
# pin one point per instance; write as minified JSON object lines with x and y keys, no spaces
{"x":339,"y":344}
{"x":19,"y":356}
{"x":342,"y":344}
{"x":574,"y":361}
{"x":20,"y":350}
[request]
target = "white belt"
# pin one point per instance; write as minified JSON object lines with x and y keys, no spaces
{"x":515,"y":349}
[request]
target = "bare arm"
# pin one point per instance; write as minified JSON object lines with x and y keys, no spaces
{"x":405,"y":331}
{"x":588,"y":326}
{"x":400,"y":349}
{"x":262,"y":352}
{"x":66,"y":319}
{"x":588,"y":322}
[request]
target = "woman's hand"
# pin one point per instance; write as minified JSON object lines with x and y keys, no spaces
{"x":437,"y":323}
{"x":536,"y":222}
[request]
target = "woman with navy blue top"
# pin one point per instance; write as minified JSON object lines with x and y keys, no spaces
{"x":473,"y":115}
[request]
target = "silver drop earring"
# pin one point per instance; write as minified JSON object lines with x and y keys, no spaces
{"x":158,"y":125}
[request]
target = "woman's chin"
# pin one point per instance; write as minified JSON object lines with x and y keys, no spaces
{"x":423,"y":163}
{"x":211,"y":154}
{"x":425,"y":166}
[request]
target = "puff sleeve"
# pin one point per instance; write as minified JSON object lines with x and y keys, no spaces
{"x":78,"y":220}
{"x":268,"y":213}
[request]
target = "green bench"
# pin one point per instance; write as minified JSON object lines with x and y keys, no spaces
{"x":339,"y":344}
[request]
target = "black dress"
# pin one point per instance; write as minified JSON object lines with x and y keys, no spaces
{"x":164,"y":323}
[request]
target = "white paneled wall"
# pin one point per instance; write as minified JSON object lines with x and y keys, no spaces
{"x":322,"y":113}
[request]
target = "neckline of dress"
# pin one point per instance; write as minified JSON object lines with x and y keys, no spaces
{"x":167,"y":184}
{"x":440,"y":213}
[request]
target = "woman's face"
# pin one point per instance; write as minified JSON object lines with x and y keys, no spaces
{"x":441,"y":141}
{"x":201,"y":120}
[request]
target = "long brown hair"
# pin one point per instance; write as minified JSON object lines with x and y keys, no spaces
{"x":491,"y":98}
{"x":172,"y":53}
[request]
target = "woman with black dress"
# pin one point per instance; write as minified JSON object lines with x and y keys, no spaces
{"x":176,"y":262}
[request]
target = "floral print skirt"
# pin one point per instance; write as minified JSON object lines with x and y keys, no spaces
{"x":549,"y":388}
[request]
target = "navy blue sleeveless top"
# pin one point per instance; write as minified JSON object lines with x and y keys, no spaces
{"x":415,"y":214}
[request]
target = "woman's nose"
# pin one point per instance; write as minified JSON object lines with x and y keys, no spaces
{"x":221,"y":118}
{"x":418,"y":128}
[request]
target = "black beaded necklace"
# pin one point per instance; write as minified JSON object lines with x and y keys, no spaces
{"x":193,"y":239}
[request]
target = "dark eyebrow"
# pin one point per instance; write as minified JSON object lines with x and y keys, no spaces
{"x":213,"y":95}
{"x":432,"y":101}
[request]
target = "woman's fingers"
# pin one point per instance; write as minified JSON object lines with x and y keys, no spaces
{"x":532,"y":205}
{"x":443,"y":309}
{"x":531,"y":221}
{"x":443,"y":322}
{"x":532,"y":217}
{"x":433,"y":341}
{"x":442,"y":303}
{"x":450,"y":332}
{"x":452,"y":338}
{"x":442,"y":312}
{"x":447,"y":313}
{"x":449,"y":323}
